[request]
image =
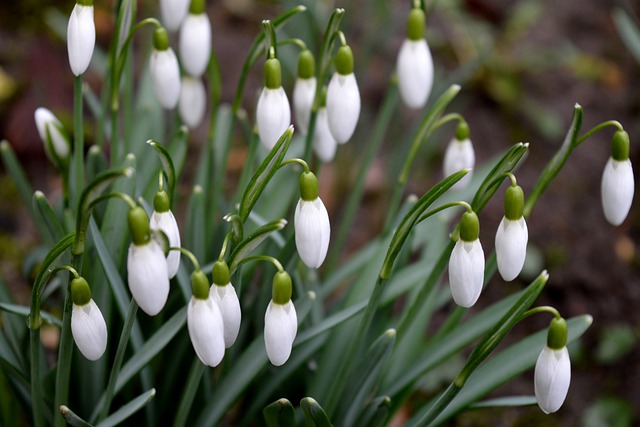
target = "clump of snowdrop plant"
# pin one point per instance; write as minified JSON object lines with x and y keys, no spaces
{"x":233,"y":201}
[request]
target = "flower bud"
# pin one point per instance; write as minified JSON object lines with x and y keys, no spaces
{"x":280,"y":321}
{"x":165,"y":71}
{"x":343,"y":98}
{"x":466,"y":265}
{"x":56,"y":142}
{"x":225,"y":296}
{"x":193,"y":101}
{"x":617,"y":187}
{"x":173,"y":12}
{"x":311,"y":223}
{"x":195,"y":43}
{"x":273,"y":114}
{"x":204,"y":322}
{"x":162,"y":219}
{"x":88,"y":327}
{"x":415,"y":64}
{"x":553,"y":369}
{"x":81,"y":36}
{"x":512,"y":235}
{"x":459,"y":155}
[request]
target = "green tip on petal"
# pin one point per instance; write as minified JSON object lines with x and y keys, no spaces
{"x":344,"y":61}
{"x":469,"y":227}
{"x":161,"y":202}
{"x":415,"y":24}
{"x":80,"y":291}
{"x":272,"y":74}
{"x":557,"y":334}
{"x":514,"y":203}
{"x":196,"y":7}
{"x":138,"y":225}
{"x":308,"y":186}
{"x":85,"y":2}
{"x":306,"y":64}
{"x":462,"y":131}
{"x":199,"y":285}
{"x":220,"y":272}
{"x":281,"y":292}
{"x":620,"y":146}
{"x":160,"y":39}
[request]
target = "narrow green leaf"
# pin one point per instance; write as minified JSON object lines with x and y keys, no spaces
{"x":129,"y":409}
{"x":245,"y":247}
{"x":196,"y":240}
{"x":329,"y":323}
{"x":375,"y":413}
{"x":279,"y":414}
{"x":15,"y":171}
{"x":314,"y":415}
{"x":629,"y":32}
{"x":24,"y":311}
{"x":73,"y":419}
{"x":46,"y":218}
{"x":167,"y":166}
{"x":178,"y":152}
{"x":188,"y":393}
{"x":504,"y":402}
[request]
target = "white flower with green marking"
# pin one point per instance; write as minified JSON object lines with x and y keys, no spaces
{"x":466,"y":265}
{"x":224,"y":295}
{"x":280,"y":321}
{"x":343,"y":98}
{"x":415,"y":64}
{"x":81,"y":36}
{"x":194,"y":46}
{"x":88,"y":327}
{"x":311,"y":223}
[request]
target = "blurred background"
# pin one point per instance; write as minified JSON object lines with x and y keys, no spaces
{"x":522,"y":64}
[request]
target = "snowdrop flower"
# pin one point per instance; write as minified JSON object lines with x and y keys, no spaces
{"x":304,"y":90}
{"x":224,"y":295}
{"x":162,"y":219}
{"x":466,"y":265}
{"x":460,"y":155}
{"x":280,"y":321}
{"x":165,"y":71}
{"x":193,"y":101}
{"x":324,"y":144}
{"x":512,"y":235}
{"x":415,"y":65}
{"x":81,"y":36}
{"x":273,"y":114}
{"x":195,"y":40}
{"x":311,"y":223}
{"x":56,"y":142}
{"x":343,"y":97}
{"x":617,"y":186}
{"x":204,"y":322}
{"x":173,"y":12}
{"x":553,"y":369}
{"x":88,"y":327}
{"x":147,"y":271}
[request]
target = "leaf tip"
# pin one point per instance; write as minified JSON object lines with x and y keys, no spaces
{"x":128,"y":172}
{"x":38,"y":194}
{"x":311,"y":295}
{"x":64,"y":409}
{"x":197,"y":189}
{"x":390,"y":333}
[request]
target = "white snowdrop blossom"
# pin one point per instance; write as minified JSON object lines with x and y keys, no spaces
{"x":343,"y":106}
{"x":324,"y":144}
{"x":227,"y":300}
{"x":466,"y":265}
{"x":617,"y":190}
{"x":193,"y":101}
{"x":415,"y":72}
{"x":81,"y":38}
{"x":511,"y":247}
{"x":166,"y":222}
{"x":552,"y":378}
{"x":89,"y":330}
{"x":311,"y":223}
{"x":304,"y":92}
{"x":173,"y":12}
{"x":165,"y":76}
{"x":56,"y":142}
{"x":273,"y":115}
{"x":195,"y":43}
{"x":280,"y":328}
{"x":459,"y":155}
{"x":206,"y":330}
{"x":148,"y":276}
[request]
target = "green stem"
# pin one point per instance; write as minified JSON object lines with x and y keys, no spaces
{"x":78,"y":141}
{"x":117,"y":362}
{"x":295,"y":160}
{"x":270,"y":34}
{"x":36,"y":383}
{"x":189,"y":255}
{"x":542,"y":309}
{"x":267,"y":258}
{"x":601,"y":126}
{"x":426,"y":215}
{"x":189,"y":392}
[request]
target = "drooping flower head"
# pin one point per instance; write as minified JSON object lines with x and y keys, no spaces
{"x":55,"y":139}
{"x":165,"y":71}
{"x":88,"y":327}
{"x":304,"y":90}
{"x":147,"y":271}
{"x":195,"y":39}
{"x":204,"y":322}
{"x":617,"y":181}
{"x":460,"y":155}
{"x":324,"y":144}
{"x":553,"y":369}
{"x":173,"y":12}
{"x":311,"y":223}
{"x":273,"y":114}
{"x":193,"y":101}
{"x":280,"y":321}
{"x":512,"y":235}
{"x":415,"y":64}
{"x":224,"y":295}
{"x":162,"y":219}
{"x":81,"y":36}
{"x":466,"y":265}
{"x":343,"y":97}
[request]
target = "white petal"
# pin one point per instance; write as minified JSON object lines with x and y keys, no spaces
{"x":195,"y":43}
{"x":148,"y":277}
{"x":165,"y":76}
{"x":166,"y":222}
{"x":280,"y":328}
{"x":227,"y":300}
{"x":47,"y":122}
{"x":343,"y":106}
{"x":324,"y":144}
{"x":273,"y":115}
{"x":312,"y":229}
{"x":466,"y":272}
{"x":89,"y":330}
{"x":552,"y":378}
{"x":81,"y":38}
{"x":617,"y":190}
{"x":193,"y":101}
{"x":459,"y":155}
{"x":204,"y":322}
{"x":511,"y":247}
{"x":303,"y":93}
{"x":173,"y":12}
{"x":415,"y":72}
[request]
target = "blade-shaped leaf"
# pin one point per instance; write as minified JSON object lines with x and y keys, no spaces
{"x":73,"y":419}
{"x":250,"y":243}
{"x":279,"y":414}
{"x":127,"y":410}
{"x":167,"y":166}
{"x":46,"y":218}
{"x":314,"y":415}
{"x":24,"y":311}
